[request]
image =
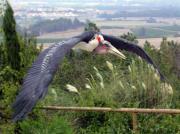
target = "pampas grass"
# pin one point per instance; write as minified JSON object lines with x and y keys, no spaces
{"x":72,"y":88}
{"x":140,"y":87}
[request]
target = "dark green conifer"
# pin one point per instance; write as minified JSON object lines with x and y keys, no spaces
{"x":12,"y":44}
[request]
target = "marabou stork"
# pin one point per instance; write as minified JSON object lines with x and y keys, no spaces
{"x":40,"y":75}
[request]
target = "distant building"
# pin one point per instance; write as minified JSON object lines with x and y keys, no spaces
{"x":3,"y":4}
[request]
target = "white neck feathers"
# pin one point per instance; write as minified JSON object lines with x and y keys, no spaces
{"x":87,"y":47}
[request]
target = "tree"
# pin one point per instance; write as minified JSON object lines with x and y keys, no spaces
{"x":12,"y":45}
{"x":169,"y":59}
{"x":90,"y":26}
{"x":2,"y":55}
{"x":29,"y":51}
{"x":130,"y":37}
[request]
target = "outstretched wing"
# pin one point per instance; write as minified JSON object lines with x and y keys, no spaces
{"x":123,"y":44}
{"x":40,"y":75}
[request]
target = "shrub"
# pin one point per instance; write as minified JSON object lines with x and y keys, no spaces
{"x":55,"y":125}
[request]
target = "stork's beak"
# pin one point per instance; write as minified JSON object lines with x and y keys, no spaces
{"x":115,"y":51}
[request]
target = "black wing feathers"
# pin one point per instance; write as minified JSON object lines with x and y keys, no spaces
{"x":123,"y":44}
{"x":40,"y":75}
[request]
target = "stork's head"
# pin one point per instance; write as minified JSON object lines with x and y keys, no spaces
{"x":104,"y":47}
{"x":99,"y":46}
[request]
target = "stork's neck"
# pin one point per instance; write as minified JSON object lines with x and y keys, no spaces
{"x":90,"y":46}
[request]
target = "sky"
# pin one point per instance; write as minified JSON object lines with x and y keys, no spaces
{"x":160,"y":1}
{"x":151,"y":2}
{"x":163,"y":1}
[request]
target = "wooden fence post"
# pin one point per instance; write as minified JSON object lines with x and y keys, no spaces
{"x":134,"y":123}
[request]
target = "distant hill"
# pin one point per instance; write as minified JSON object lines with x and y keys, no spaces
{"x":58,"y":25}
{"x":167,"y":12}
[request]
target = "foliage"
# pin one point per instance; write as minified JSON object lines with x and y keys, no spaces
{"x":2,"y":55}
{"x":102,"y":81}
{"x":16,"y":56}
{"x":166,"y":124}
{"x":7,"y":128}
{"x":7,"y":93}
{"x":108,"y":93}
{"x":29,"y":52}
{"x":12,"y":45}
{"x":132,"y":89}
{"x":100,"y":123}
{"x":90,"y":26}
{"x":130,"y":37}
{"x":169,"y":51}
{"x":55,"y":124}
{"x":133,"y":80}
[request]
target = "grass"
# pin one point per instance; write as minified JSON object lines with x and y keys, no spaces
{"x":113,"y":83}
{"x":115,"y":87}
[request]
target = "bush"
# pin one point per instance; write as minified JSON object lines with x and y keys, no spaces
{"x":165,"y":124}
{"x":117,"y":88}
{"x":48,"y":125}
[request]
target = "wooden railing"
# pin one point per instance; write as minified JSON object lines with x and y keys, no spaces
{"x":132,"y":111}
{"x":107,"y":109}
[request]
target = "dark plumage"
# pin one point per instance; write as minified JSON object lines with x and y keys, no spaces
{"x":35,"y":84}
{"x":40,"y":75}
{"x":123,"y":44}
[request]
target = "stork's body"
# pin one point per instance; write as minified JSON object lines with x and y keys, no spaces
{"x":40,"y":75}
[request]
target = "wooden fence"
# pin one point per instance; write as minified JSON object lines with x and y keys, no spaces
{"x":132,"y":111}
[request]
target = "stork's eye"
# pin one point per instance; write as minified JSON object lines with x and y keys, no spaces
{"x":106,"y":44}
{"x":93,"y":38}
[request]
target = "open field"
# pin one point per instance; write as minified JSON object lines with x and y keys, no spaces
{"x":162,"y":27}
{"x":153,"y":33}
{"x":138,"y":21}
{"x":128,"y":23}
{"x":74,"y":32}
{"x":171,"y":28}
{"x":63,"y":34}
{"x":149,"y":33}
{"x":116,"y":31}
{"x":124,"y":23}
{"x":156,"y":42}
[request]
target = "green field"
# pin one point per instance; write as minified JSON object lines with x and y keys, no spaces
{"x":172,"y":27}
{"x":143,"y":32}
{"x":139,"y":26}
{"x":128,"y":23}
